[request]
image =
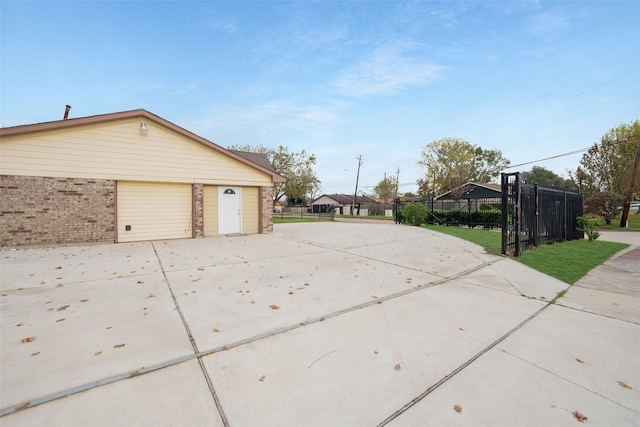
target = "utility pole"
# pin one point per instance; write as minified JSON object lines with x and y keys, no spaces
{"x":353,"y":205}
{"x":632,"y":182}
{"x":397,"y":181}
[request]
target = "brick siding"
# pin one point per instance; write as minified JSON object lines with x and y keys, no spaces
{"x":42,"y":210}
{"x":266,"y":195}
{"x":198,"y":209}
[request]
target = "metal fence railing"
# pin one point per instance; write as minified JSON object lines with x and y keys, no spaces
{"x":533,"y":214}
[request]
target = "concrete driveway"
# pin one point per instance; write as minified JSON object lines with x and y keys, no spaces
{"x":317,"y":324}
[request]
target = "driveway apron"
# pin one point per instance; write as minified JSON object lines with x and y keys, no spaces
{"x":316,"y":324}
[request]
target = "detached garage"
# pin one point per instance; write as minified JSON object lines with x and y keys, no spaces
{"x":125,"y":177}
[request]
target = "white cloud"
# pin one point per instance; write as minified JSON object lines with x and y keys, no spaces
{"x":221,"y":26}
{"x":269,"y":118}
{"x":388,"y":69}
{"x":547,"y":23}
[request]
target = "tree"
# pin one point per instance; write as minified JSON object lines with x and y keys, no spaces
{"x":607,"y":166}
{"x":604,"y":204}
{"x":296,"y":167}
{"x":386,"y":190}
{"x":540,"y":175}
{"x":451,"y":162}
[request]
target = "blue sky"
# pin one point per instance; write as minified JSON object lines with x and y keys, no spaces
{"x":379,"y":79}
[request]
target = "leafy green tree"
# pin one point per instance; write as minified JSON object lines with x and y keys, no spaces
{"x":607,"y":166}
{"x":386,"y":190}
{"x":424,"y":189}
{"x":301,"y":183}
{"x":540,"y":175}
{"x":603,"y":204}
{"x":451,"y":162}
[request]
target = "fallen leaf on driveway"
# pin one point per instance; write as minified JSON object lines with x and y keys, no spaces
{"x":151,"y":296}
{"x":58,"y":268}
{"x":397,"y":367}
{"x":35,"y":354}
{"x":579,"y":416}
{"x":216,"y":330}
{"x":84,"y":300}
{"x":97,"y":353}
{"x":139,"y":282}
{"x":63,"y":308}
{"x":579,"y":360}
{"x":457,"y":408}
{"x":625,"y":385}
{"x":261,"y":379}
{"x":28,"y":339}
{"x":274,"y":307}
{"x":61,"y":319}
{"x":119,"y":345}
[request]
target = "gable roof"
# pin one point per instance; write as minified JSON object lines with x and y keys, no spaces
{"x":258,"y":158}
{"x":143,"y":115}
{"x":473,"y":190}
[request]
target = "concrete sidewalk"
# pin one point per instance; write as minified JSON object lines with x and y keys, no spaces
{"x":317,"y":324}
{"x":613,"y":288}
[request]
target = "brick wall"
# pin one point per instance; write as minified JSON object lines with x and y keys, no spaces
{"x":198,"y":209}
{"x":266,"y":195}
{"x":41,"y":211}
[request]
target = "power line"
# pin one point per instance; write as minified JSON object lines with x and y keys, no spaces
{"x":617,"y":141}
{"x":549,"y":158}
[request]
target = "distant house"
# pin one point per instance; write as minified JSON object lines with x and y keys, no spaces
{"x":125,"y":177}
{"x":341,"y":204}
{"x":471,"y":194}
{"x":472,"y":190}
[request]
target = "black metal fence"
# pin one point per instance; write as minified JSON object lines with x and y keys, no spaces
{"x":533,"y":214}
{"x":472,"y":213}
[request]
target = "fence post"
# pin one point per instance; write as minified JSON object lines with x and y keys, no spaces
{"x":505,"y":207}
{"x":518,"y":213}
{"x":536,"y":218}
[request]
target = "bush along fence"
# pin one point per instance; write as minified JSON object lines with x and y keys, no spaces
{"x":528,"y":215}
{"x":472,"y":208}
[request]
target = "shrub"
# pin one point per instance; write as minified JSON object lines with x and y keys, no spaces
{"x":605,"y":204}
{"x":589,"y":226}
{"x":414,"y":213}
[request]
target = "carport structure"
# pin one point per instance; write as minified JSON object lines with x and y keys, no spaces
{"x":316,"y":324}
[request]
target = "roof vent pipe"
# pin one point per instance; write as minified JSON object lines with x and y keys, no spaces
{"x":66,"y":112}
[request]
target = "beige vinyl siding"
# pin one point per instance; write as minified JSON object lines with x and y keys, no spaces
{"x":117,"y":150}
{"x":210,"y":210}
{"x":250,"y":210}
{"x":154,"y":211}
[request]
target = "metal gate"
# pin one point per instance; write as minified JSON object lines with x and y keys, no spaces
{"x":533,"y":214}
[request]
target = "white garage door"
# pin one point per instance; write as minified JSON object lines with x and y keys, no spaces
{"x":153,"y":211}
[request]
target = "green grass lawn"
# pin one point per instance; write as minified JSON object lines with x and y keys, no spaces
{"x":633,"y":221}
{"x":566,"y":261}
{"x":488,"y":239}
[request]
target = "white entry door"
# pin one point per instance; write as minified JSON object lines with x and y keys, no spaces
{"x":229,"y":210}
